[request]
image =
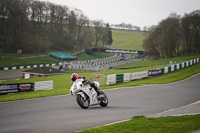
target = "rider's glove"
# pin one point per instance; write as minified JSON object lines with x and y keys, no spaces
{"x":86,"y":82}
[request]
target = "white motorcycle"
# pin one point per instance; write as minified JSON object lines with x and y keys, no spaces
{"x":86,"y":95}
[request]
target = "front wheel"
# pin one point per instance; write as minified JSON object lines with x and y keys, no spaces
{"x":104,"y":101}
{"x":82,"y":102}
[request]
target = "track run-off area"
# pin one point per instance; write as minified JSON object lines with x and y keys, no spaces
{"x":62,"y":114}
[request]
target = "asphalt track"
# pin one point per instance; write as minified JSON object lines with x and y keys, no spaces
{"x":17,"y":73}
{"x":62,"y":114}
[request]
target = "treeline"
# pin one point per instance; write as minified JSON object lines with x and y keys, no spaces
{"x":174,"y":35}
{"x":40,"y":26}
{"x":126,"y":26}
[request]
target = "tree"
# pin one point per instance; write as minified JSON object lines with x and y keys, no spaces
{"x":98,"y":30}
{"x":109,"y":35}
{"x":145,"y":29}
{"x":39,"y":26}
{"x":174,"y":36}
{"x":191,"y":32}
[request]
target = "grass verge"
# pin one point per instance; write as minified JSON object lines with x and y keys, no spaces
{"x":62,"y":83}
{"x":142,"y":124}
{"x":159,"y":63}
{"x":161,"y":79}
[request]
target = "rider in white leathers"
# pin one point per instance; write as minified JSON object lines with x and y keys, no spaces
{"x":75,"y":76}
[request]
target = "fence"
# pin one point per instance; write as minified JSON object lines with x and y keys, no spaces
{"x":127,"y":77}
{"x":28,"y":66}
{"x":98,"y":77}
{"x":78,"y":64}
{"x":24,"y":87}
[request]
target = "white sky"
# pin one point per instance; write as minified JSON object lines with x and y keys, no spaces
{"x":136,"y":12}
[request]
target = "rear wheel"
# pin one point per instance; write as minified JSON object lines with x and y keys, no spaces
{"x":82,"y":102}
{"x":104,"y":101}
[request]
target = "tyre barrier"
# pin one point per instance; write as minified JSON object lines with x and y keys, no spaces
{"x":102,"y":62}
{"x":28,"y":66}
{"x":127,"y":77}
{"x":58,"y":64}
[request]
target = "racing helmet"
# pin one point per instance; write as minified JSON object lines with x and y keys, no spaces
{"x":74,"y":76}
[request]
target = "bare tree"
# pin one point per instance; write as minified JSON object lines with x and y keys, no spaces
{"x":98,"y":30}
{"x":174,"y":36}
{"x":38,"y":26}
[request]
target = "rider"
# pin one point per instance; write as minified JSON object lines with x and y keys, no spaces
{"x":75,"y":76}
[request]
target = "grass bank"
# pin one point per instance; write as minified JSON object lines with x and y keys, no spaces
{"x":158,"y":63}
{"x":146,"y":64}
{"x":142,"y":124}
{"x":14,"y":60}
{"x":162,"y":79}
{"x":128,"y":40}
{"x":122,"y":39}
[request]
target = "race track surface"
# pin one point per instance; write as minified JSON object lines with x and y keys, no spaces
{"x":62,"y":114}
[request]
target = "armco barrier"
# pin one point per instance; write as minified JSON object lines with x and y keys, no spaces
{"x":162,"y":71}
{"x":27,"y":66}
{"x":43,"y":85}
{"x":127,"y":77}
{"x":183,"y":64}
{"x":155,"y":72}
{"x":187,"y":63}
{"x":172,"y":68}
{"x":14,"y":88}
{"x":169,"y":69}
{"x":139,"y":75}
{"x":111,"y":79}
{"x":117,"y":78}
{"x":177,"y":66}
{"x":24,"y":87}
{"x":166,"y":70}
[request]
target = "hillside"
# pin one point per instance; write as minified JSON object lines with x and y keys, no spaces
{"x":128,"y":40}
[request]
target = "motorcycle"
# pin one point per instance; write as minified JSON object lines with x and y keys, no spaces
{"x":86,"y":95}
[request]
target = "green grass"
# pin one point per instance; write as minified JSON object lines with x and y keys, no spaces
{"x":14,"y":60}
{"x":122,"y":39}
{"x":142,"y":124}
{"x":158,"y":63}
{"x":145,"y":65}
{"x":161,"y":79}
{"x":62,"y":83}
{"x":128,"y":40}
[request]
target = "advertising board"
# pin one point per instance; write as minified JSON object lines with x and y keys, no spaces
{"x":8,"y":88}
{"x":139,"y":75}
{"x":14,"y":88}
{"x":155,"y":72}
{"x":26,"y":87}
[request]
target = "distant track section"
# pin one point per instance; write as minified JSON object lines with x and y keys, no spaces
{"x":89,"y":51}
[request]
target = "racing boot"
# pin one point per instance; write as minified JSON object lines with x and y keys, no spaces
{"x":99,"y":96}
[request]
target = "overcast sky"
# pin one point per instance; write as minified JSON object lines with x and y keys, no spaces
{"x":136,"y":12}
